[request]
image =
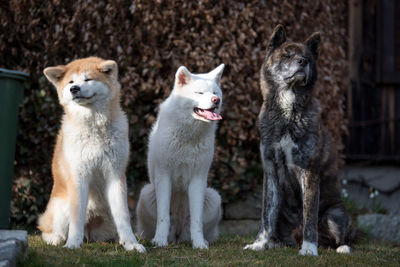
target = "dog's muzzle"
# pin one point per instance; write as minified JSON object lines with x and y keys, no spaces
{"x":76,"y":94}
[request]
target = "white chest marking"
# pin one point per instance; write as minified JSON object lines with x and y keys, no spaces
{"x":286,"y":144}
{"x":286,"y":100}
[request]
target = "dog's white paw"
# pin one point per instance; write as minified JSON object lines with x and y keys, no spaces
{"x":308,"y":248}
{"x":160,"y":241}
{"x":134,"y":246}
{"x":344,"y":249}
{"x":200,"y":244}
{"x":256,"y":246}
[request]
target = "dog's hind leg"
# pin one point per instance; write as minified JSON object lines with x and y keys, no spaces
{"x":146,"y":212}
{"x":212,"y":213}
{"x":334,"y":226}
{"x":55,"y":221}
{"x":100,"y":229}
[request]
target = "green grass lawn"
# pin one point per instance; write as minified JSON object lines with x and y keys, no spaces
{"x":226,"y":251}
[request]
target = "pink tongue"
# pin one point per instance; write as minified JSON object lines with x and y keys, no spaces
{"x":212,"y":116}
{"x":209,"y":115}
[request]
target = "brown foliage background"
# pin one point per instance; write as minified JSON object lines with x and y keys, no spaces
{"x":150,"y":40}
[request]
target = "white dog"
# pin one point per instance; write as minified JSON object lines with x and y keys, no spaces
{"x":177,"y":205}
{"x":90,"y":157}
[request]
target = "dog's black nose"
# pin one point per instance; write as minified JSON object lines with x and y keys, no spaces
{"x":302,"y":62}
{"x":75,"y":89}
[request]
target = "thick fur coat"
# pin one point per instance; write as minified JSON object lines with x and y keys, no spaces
{"x":301,"y":196}
{"x":177,"y":205}
{"x":89,"y":196}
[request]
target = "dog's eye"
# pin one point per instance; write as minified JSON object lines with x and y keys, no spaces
{"x":71,"y":81}
{"x":200,"y":93}
{"x":87,"y":79}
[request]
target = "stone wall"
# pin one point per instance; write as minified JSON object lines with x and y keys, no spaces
{"x":375,"y":188}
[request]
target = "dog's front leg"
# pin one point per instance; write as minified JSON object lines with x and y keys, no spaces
{"x":163,"y":197}
{"x":117,"y":201}
{"x":270,"y":208}
{"x":196,"y":191}
{"x":310,"y":186}
{"x":78,"y":192}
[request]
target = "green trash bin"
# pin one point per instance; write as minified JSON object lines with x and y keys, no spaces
{"x":11,"y":95}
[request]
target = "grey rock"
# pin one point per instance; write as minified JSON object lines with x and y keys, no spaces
{"x":358,"y":181}
{"x":13,"y":244}
{"x":386,"y":227}
{"x":8,"y":252}
{"x":383,"y":178}
{"x":19,"y":235}
{"x":21,"y":238}
{"x":239,"y":227}
{"x":4,"y":263}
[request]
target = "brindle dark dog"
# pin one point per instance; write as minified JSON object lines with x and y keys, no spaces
{"x":301,"y":195}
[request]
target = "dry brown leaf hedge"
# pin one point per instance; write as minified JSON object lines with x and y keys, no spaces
{"x":150,"y":40}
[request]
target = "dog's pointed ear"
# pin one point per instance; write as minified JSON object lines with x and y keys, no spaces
{"x":182,"y":76}
{"x":54,"y":74}
{"x":278,"y":37}
{"x":108,"y":67}
{"x":314,"y":43}
{"x":216,"y":73}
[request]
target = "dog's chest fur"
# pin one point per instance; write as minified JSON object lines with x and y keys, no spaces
{"x":93,"y":145}
{"x":298,"y":132}
{"x":290,"y":141}
{"x":285,"y":146}
{"x":183,"y":150}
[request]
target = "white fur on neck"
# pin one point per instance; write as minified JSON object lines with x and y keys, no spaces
{"x":286,"y":99}
{"x":97,"y":117}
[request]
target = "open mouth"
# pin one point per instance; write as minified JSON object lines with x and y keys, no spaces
{"x":208,"y":114}
{"x":82,"y":97}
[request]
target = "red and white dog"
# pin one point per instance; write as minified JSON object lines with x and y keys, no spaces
{"x":89,"y":196}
